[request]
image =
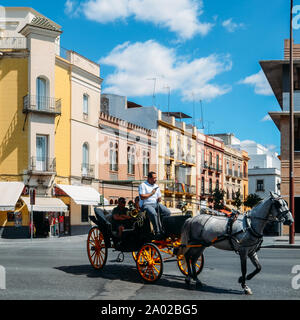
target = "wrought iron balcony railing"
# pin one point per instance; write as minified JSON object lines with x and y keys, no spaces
{"x":42,"y":164}
{"x":32,"y":103}
{"x":87,"y":170}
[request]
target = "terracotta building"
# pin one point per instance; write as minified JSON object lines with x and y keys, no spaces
{"x":127,"y":152}
{"x":277,"y":73}
{"x":210,"y":153}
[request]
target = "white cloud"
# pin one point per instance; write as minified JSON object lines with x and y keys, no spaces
{"x":260,"y":83}
{"x":134,"y":63}
{"x":266,"y":118}
{"x":231,"y":26}
{"x":72,"y":8}
{"x":179,"y":16}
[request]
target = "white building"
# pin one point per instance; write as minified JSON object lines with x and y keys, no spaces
{"x":263,"y":167}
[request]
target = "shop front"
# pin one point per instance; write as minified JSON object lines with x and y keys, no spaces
{"x":81,"y":200}
{"x":48,"y":216}
{"x":12,"y":214}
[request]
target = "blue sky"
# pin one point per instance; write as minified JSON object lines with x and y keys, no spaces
{"x":202,"y":50}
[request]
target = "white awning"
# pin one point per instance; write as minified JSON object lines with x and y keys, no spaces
{"x":81,"y":194}
{"x":9,"y":194}
{"x":46,"y":204}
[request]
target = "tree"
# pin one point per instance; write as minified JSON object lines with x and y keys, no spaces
{"x":218,"y":199}
{"x":237,"y":202}
{"x":252,"y":200}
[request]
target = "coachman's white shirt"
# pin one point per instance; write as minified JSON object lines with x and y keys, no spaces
{"x":145,"y":188}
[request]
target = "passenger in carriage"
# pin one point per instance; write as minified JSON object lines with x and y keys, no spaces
{"x":120,"y":219}
{"x":150,"y":198}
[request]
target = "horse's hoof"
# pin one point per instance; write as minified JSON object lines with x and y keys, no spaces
{"x":248,"y":291}
{"x":187,"y":281}
{"x":240,"y":279}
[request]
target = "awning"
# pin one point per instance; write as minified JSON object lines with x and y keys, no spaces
{"x":46,"y":204}
{"x":9,"y":194}
{"x":81,"y":194}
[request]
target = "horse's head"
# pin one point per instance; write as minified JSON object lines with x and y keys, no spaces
{"x":280,"y":210}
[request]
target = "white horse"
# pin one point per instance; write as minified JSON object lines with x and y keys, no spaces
{"x":245,"y":238}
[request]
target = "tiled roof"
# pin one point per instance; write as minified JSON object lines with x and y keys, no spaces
{"x":43,"y":23}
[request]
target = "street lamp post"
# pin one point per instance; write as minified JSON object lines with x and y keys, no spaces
{"x":291,"y":171}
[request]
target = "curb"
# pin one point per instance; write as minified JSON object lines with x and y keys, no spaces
{"x":282,"y":246}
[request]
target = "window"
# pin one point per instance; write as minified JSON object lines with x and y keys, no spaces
{"x":202,"y":185}
{"x":41,"y":93}
{"x":217,"y":162}
{"x":217,"y":184}
{"x":113,"y":156}
{"x":210,"y":158}
{"x":85,"y":158}
{"x":210,"y":185}
{"x":227,"y":167}
{"x":85,"y":104}
{"x":260,"y":185}
{"x":84,"y":213}
{"x":130,"y":160}
{"x":146,"y":162}
{"x":178,"y":147}
{"x":104,"y":105}
{"x":41,"y":152}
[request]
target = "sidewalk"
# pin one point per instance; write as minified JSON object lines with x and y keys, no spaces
{"x":75,"y":238}
{"x":281,"y":242}
{"x":269,"y":242}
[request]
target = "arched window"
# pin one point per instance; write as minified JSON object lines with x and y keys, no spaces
{"x":113,"y":156}
{"x":85,"y":158}
{"x":130,"y":160}
{"x":41,"y":94}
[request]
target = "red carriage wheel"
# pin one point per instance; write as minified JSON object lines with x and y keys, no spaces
{"x":96,"y":249}
{"x":183,"y":266}
{"x":149,"y":263}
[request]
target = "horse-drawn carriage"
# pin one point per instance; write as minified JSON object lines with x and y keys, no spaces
{"x":149,"y":254}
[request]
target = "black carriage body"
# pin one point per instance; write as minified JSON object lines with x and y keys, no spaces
{"x":131,"y":240}
{"x":172,"y":225}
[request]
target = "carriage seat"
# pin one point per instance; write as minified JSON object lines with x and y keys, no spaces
{"x":172,"y":225}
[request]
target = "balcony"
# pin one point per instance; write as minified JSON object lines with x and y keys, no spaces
{"x":229,"y":172}
{"x":180,"y":188}
{"x":191,"y":159}
{"x":47,"y":105}
{"x":219,"y":169}
{"x":13,"y":43}
{"x":190,"y":189}
{"x":87,"y":170}
{"x":206,"y":192}
{"x":42,"y":165}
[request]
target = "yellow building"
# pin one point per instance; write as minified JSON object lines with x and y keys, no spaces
{"x":49,"y":110}
{"x":177,"y":159}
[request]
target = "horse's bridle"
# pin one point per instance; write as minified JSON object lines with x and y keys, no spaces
{"x":270,"y":218}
